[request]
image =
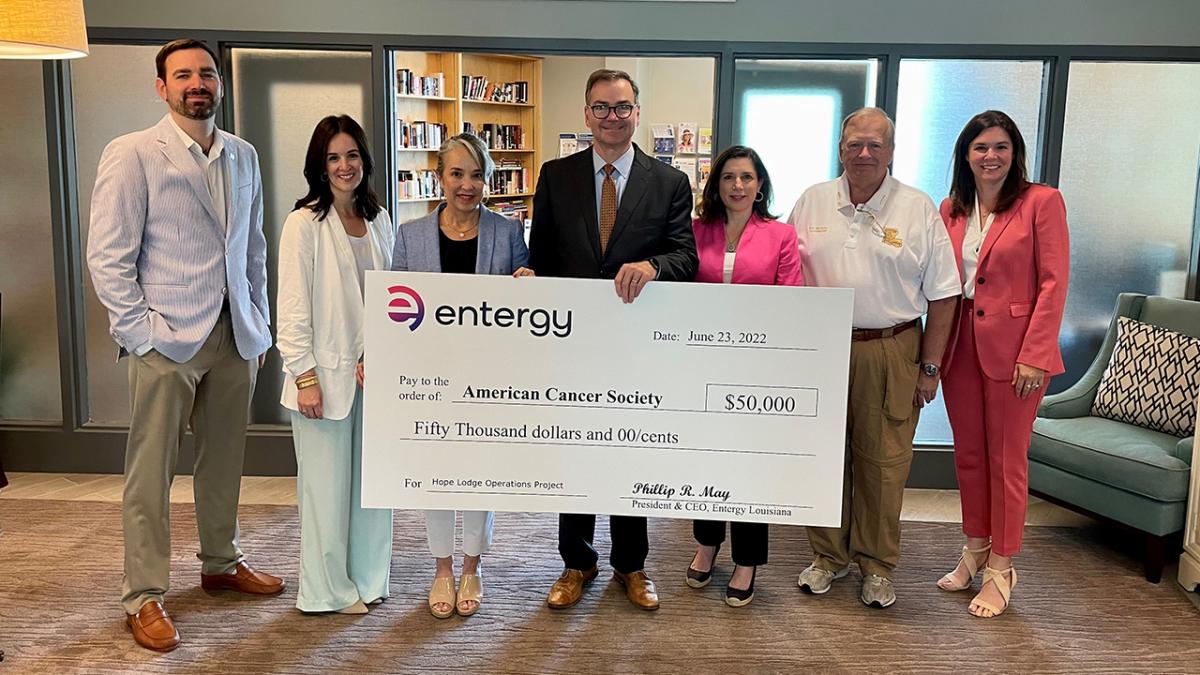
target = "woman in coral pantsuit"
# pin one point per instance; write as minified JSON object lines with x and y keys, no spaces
{"x":1010,"y":239}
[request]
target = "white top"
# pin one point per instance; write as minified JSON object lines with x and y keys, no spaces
{"x":213,"y":170}
{"x":362,"y":258}
{"x":623,"y":166}
{"x":728,"y":270}
{"x":894,"y":251}
{"x":972,"y":242}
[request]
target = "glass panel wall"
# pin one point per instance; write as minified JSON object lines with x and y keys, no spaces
{"x":1131,"y":147}
{"x":280,"y":96}
{"x":114,"y":95}
{"x":791,"y":112}
{"x":30,"y":388}
{"x":936,"y":98}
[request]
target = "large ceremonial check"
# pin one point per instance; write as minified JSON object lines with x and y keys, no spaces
{"x":695,"y":401}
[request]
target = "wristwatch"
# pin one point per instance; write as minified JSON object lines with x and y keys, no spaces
{"x":930,"y":369}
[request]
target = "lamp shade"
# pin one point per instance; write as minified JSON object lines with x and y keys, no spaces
{"x":42,"y":29}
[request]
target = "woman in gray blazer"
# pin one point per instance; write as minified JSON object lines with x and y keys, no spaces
{"x":461,"y":236}
{"x":337,"y":233}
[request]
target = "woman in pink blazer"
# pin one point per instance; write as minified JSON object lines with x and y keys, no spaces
{"x":1010,"y":239}
{"x":739,"y":242}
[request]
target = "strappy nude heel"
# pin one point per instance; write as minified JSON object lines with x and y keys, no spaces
{"x":971,"y":558}
{"x":442,"y":592}
{"x":1003,"y":585}
{"x":470,"y":589}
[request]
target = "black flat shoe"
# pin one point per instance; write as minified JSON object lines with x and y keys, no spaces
{"x":736,"y":597}
{"x":698,"y":579}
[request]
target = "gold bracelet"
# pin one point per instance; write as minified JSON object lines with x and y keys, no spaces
{"x":306,"y":384}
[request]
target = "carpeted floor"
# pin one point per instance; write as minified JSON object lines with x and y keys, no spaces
{"x":1081,"y":605}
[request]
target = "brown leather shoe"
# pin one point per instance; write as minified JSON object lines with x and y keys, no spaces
{"x":152,"y":627}
{"x":569,"y":588}
{"x":245,"y":579}
{"x":639,"y":589}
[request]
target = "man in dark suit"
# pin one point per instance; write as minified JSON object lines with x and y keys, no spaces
{"x":610,"y":213}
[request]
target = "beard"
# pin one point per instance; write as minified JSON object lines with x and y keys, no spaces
{"x":195,"y":106}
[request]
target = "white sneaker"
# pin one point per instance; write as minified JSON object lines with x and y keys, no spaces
{"x":818,"y":580}
{"x":878,"y":591}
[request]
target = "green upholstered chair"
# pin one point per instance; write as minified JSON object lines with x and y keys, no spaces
{"x":1107,"y":469}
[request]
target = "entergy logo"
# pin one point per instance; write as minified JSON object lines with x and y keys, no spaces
{"x":406,"y":305}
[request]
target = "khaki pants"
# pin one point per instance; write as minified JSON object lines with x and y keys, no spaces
{"x":212,"y":393}
{"x":880,"y":425}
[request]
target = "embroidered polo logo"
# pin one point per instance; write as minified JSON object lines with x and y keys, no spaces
{"x":889,"y":237}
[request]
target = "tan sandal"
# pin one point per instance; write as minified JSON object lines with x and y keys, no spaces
{"x":1003,"y":585}
{"x":442,"y":593}
{"x":971,"y":558}
{"x":470,"y":589}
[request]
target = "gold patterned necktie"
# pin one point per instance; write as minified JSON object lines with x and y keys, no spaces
{"x":608,"y":206}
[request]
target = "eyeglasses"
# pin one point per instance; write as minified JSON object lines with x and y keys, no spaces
{"x":862,"y":217}
{"x":600,"y":110}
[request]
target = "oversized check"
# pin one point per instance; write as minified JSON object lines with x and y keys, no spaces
{"x":695,"y":401}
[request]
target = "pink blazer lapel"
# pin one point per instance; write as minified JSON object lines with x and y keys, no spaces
{"x":998,"y":226}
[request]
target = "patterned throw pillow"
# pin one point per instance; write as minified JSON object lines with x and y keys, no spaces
{"x":1152,"y":379}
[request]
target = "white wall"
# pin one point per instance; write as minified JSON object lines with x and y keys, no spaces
{"x":1080,"y":22}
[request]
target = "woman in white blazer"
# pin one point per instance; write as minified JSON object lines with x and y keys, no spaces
{"x":461,"y":236}
{"x":337,"y":233}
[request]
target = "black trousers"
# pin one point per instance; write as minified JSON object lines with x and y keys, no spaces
{"x":630,"y":543}
{"x":749,"y":545}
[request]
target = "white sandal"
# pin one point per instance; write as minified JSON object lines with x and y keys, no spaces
{"x":971,"y":559}
{"x":1003,"y":585}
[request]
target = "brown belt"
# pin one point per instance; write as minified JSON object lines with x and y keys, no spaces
{"x":861,"y":334}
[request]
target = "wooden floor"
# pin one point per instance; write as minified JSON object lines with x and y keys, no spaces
{"x":931,"y":506}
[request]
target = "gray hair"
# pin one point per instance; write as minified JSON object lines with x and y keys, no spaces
{"x":866,"y":112}
{"x":474,"y":146}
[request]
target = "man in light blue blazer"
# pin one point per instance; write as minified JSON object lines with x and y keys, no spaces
{"x":178,"y":257}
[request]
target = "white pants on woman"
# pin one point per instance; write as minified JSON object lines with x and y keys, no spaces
{"x":477,"y":532}
{"x":345,"y":550}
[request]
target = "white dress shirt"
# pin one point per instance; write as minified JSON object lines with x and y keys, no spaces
{"x":972,"y":242}
{"x":211,"y":165}
{"x":894,"y":250}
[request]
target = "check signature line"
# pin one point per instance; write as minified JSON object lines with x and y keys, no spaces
{"x":628,"y":407}
{"x":714,"y":501}
{"x":608,"y":445}
{"x":783,"y":349}
{"x":493,"y":492}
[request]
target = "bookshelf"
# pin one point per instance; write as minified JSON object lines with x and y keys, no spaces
{"x":440,"y":94}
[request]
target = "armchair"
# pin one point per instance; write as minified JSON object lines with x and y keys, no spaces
{"x":1117,"y":472}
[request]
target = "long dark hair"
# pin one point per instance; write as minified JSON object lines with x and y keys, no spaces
{"x":320,"y":197}
{"x":711,"y":209}
{"x":962,"y":188}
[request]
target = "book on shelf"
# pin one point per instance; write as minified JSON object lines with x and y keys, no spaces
{"x":664,"y":139}
{"x":515,"y":209}
{"x":704,"y":141}
{"x":686,"y":142}
{"x":498,"y":136}
{"x":669,"y":160}
{"x":477,"y":88}
{"x":568,"y":144}
{"x":583,"y":141}
{"x":688,"y":166}
{"x":419,"y":135}
{"x":509,"y":177}
{"x":417,"y":184}
{"x":409,"y":83}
